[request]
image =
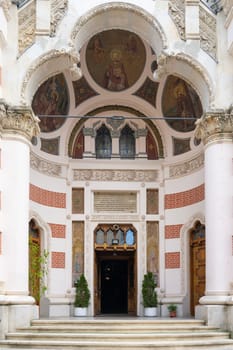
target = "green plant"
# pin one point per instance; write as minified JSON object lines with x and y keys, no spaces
{"x":172,"y":307}
{"x":149,"y":293}
{"x":82,"y":296}
{"x":38,"y":270}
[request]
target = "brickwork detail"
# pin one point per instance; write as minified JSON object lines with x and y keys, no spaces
{"x":172,"y":260}
{"x":185,"y":198}
{"x":48,"y":198}
{"x":58,"y":231}
{"x":58,"y":260}
{"x":172,"y":231}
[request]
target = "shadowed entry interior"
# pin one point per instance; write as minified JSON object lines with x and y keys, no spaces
{"x":115,"y":269}
{"x":114,"y":286}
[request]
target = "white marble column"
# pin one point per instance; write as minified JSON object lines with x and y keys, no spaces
{"x":17,"y":126}
{"x":216,"y":131}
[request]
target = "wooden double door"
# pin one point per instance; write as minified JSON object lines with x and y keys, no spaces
{"x":115,"y":283}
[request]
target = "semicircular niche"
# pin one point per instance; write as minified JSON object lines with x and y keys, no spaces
{"x":51,"y":98}
{"x":115,"y":59}
{"x":180,"y":104}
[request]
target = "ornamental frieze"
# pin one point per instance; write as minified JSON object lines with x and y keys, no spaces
{"x":27,"y":26}
{"x":186,"y":168}
{"x":58,"y":10}
{"x":45,"y":167}
{"x":18,"y":120}
{"x":208,"y":39}
{"x":176,"y":9}
{"x":115,"y":175}
{"x":5,"y":4}
{"x":215,"y":126}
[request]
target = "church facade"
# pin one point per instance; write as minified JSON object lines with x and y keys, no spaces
{"x":116,"y":157}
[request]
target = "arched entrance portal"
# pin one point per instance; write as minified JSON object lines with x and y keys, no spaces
{"x":115,"y":269}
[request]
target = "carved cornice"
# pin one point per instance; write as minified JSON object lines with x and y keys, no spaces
{"x":119,"y":7}
{"x":18,"y":121}
{"x":5,"y":4}
{"x":69,"y":52}
{"x":215,"y":126}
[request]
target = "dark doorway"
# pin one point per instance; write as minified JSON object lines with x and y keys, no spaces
{"x":114,"y":286}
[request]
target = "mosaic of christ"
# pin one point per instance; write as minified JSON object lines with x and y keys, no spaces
{"x":115,"y":59}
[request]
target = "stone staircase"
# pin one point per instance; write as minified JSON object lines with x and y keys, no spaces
{"x":127,"y":333}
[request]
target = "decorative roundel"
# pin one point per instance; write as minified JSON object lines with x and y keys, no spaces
{"x":115,"y":59}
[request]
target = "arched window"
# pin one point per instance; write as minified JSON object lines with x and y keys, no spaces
{"x":103,"y":143}
{"x":127,"y":143}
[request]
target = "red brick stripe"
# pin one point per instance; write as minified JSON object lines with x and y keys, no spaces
{"x":182,"y":199}
{"x":48,"y":198}
{"x":58,"y":231}
{"x":172,"y":260}
{"x":172,"y":231}
{"x":58,"y":260}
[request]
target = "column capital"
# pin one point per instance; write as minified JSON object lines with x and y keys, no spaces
{"x":215,"y":126}
{"x":16,"y":120}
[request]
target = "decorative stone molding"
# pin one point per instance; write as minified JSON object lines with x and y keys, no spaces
{"x":58,"y":10}
{"x":68,"y":53}
{"x":208,"y":39}
{"x":215,"y":126}
{"x":26,"y":26}
{"x":176,"y":9}
{"x":45,"y":167}
{"x":18,"y":120}
{"x":115,"y":175}
{"x":187,"y":167}
{"x":119,"y":7}
{"x":5,"y":4}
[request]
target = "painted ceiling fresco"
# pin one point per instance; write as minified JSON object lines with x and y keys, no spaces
{"x":51,"y":98}
{"x":115,"y":59}
{"x":180,"y":100}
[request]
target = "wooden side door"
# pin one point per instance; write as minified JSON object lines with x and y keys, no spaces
{"x":197,"y":267}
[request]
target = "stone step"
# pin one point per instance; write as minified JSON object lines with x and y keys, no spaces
{"x":146,"y":337}
{"x":224,"y":344}
{"x":117,"y":328}
{"x":115,"y":333}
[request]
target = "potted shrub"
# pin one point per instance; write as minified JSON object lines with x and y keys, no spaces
{"x":149,"y":295}
{"x":172,"y":310}
{"x":82,"y":297}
